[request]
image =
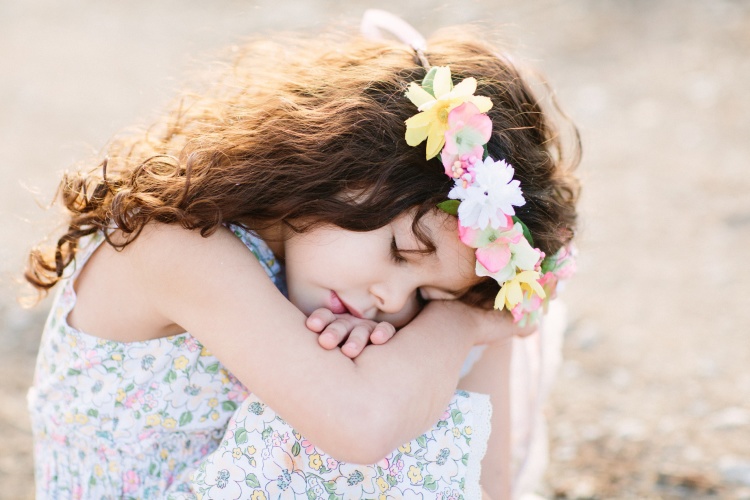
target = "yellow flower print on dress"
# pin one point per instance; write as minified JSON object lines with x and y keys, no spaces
{"x":180,"y":363}
{"x":414,"y":474}
{"x":315,"y":461}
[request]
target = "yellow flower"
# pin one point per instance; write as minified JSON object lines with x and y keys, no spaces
{"x":468,"y":430}
{"x":81,"y":418}
{"x":169,"y":423}
{"x":415,"y":475}
{"x":511,"y":293}
{"x":120,"y":395}
{"x":117,"y":357}
{"x":69,"y":418}
{"x":113,"y":467}
{"x":236,"y":453}
{"x":215,"y":415}
{"x":172,"y":463}
{"x":315,"y":461}
{"x":205,"y":352}
{"x":456,"y":432}
{"x":405,"y":448}
{"x":251,"y":450}
{"x":213,"y":402}
{"x":432,"y":121}
{"x":382,"y":484}
{"x":153,"y":419}
{"x":252,"y":462}
{"x":72,"y":342}
{"x":258,"y":495}
{"x":180,"y":363}
{"x":98,"y":470}
{"x":164,"y":454}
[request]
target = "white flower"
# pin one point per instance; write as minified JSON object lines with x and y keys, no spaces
{"x":443,"y":455}
{"x":490,"y":197}
{"x":224,"y":478}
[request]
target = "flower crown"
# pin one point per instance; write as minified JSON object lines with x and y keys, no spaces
{"x":455,"y":124}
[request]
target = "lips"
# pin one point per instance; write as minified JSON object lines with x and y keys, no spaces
{"x":338,"y":306}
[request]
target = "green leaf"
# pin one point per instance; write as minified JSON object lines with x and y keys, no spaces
{"x":93,"y":413}
{"x":214,"y":368}
{"x":330,"y":486}
{"x":170,"y":377}
{"x":240,"y":436}
{"x":428,"y":80}
{"x":266,"y":432}
{"x":422,"y":441}
{"x":457,"y":417}
{"x":430,"y":484}
{"x":311,"y":495}
{"x":186,"y":418}
{"x":295,"y":449}
{"x":252,"y":481}
{"x":450,"y":207}
{"x":526,"y":232}
{"x":228,"y":406}
{"x":465,"y":459}
{"x":72,"y":371}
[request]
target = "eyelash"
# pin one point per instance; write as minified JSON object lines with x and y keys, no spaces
{"x":396,"y":253}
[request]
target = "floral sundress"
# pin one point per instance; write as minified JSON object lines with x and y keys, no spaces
{"x":127,"y":420}
{"x":164,"y":419}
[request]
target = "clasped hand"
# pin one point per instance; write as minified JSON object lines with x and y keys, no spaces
{"x":347,"y":331}
{"x":353,"y":334}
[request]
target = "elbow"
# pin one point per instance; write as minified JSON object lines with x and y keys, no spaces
{"x":365,"y":438}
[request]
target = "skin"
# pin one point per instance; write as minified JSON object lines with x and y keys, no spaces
{"x":172,"y":280}
{"x":384,"y":291}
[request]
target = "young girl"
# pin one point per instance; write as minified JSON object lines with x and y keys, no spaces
{"x":308,"y":153}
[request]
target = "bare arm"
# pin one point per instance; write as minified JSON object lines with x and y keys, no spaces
{"x":491,"y":375}
{"x":215,"y":289}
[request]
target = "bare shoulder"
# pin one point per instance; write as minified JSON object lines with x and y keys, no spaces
{"x":119,"y":293}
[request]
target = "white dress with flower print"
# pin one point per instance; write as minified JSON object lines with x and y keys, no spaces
{"x":126,"y":420}
{"x":262,"y":458}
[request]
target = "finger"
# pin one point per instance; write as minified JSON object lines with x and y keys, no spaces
{"x":319,"y":319}
{"x":357,"y":341}
{"x":382,"y":333}
{"x":333,"y":334}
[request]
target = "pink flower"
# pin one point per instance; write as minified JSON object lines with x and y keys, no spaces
{"x":331,"y":463}
{"x":130,"y":482}
{"x":493,"y":245}
{"x":308,"y":446}
{"x":468,"y":131}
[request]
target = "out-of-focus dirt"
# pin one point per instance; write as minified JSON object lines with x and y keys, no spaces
{"x":653,"y":400}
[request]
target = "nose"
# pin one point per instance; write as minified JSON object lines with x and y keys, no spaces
{"x":392,"y":297}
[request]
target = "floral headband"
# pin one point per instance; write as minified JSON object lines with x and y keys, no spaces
{"x":455,"y":124}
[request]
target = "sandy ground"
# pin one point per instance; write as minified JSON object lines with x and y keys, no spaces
{"x":653,"y":400}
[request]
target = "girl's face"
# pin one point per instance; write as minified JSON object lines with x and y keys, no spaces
{"x":377,"y":274}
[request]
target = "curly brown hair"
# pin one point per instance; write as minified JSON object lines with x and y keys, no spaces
{"x":313,"y":130}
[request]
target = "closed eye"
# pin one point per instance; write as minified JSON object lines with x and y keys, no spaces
{"x":396,"y":253}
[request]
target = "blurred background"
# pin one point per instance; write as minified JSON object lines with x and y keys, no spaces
{"x":653,"y":399}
